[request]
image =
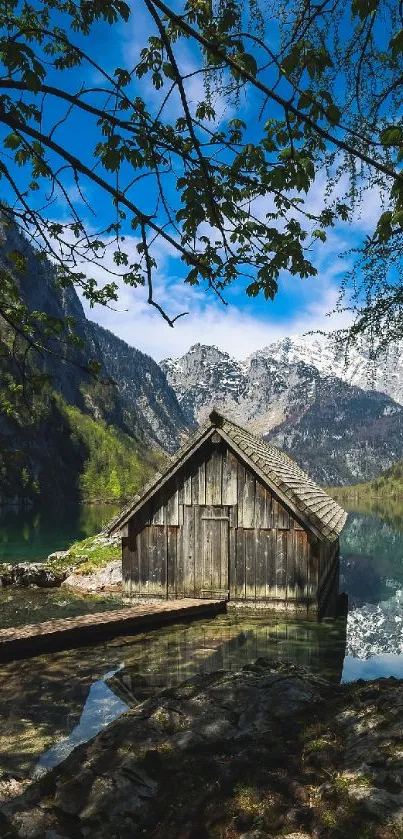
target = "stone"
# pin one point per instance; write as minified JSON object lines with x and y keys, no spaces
{"x":196,"y":756}
{"x":107,"y":579}
{"x":254,"y":834}
{"x":33,"y":823}
{"x":381,"y":803}
{"x":296,"y":835}
{"x":54,"y":834}
{"x":31,"y":574}
{"x":57,"y":555}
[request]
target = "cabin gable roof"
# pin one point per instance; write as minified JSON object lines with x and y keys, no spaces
{"x":313,"y":506}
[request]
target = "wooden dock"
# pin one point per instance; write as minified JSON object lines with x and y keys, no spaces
{"x":64,"y":633}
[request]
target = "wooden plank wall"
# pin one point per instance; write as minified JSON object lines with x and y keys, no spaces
{"x":270,"y":556}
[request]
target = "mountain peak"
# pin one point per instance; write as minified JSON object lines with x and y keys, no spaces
{"x":299,"y":395}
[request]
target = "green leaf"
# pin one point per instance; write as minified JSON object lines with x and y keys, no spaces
{"x":364,"y":8}
{"x":253,"y":289}
{"x":32,"y":80}
{"x":333,"y":114}
{"x":396,"y":44}
{"x":12,"y":141}
{"x":250,"y":63}
{"x":169,"y":70}
{"x":391,"y":136}
{"x":384,"y":226}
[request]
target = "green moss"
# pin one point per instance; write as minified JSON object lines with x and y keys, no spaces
{"x":247,"y":800}
{"x":86,"y":556}
{"x":317,"y":745}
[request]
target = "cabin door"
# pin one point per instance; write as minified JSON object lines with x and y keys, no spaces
{"x":213,"y":553}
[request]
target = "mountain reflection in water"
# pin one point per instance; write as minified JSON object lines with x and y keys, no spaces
{"x":372,"y":574}
{"x":52,"y":703}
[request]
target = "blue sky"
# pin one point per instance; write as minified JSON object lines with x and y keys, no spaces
{"x":244,"y":325}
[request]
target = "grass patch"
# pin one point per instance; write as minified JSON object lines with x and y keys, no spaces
{"x":87,"y":556}
{"x":317,"y":745}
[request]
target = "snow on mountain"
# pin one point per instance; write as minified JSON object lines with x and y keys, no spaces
{"x":319,"y":352}
{"x":304,"y":399}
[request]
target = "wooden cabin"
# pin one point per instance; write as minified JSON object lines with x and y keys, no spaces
{"x":232,"y":517}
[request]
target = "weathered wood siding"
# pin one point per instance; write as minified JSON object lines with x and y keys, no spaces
{"x":215,"y":530}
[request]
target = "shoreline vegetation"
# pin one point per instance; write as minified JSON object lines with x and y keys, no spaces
{"x":388,"y":485}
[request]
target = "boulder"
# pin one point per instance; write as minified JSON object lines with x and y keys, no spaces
{"x":57,"y":555}
{"x":31,"y":574}
{"x":107,"y":579}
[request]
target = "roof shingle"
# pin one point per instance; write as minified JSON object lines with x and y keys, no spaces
{"x":304,"y":494}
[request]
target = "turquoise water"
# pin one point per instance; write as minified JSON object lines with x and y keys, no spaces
{"x":30,"y":536}
{"x":51,"y":703}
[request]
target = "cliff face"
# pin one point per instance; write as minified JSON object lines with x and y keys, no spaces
{"x":140,"y":400}
{"x":149,"y":405}
{"x":43,"y":453}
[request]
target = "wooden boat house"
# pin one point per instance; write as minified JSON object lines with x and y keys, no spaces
{"x":232,"y":517}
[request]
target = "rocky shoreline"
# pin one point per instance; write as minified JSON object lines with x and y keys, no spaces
{"x":268,"y":751}
{"x":68,"y":569}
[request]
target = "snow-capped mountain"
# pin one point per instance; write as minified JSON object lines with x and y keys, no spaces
{"x":385,"y":376}
{"x":303,"y":399}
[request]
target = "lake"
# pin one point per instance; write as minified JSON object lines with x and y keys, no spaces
{"x":51,"y":703}
{"x":31,"y":535}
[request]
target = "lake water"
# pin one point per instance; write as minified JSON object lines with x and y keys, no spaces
{"x":51,"y":703}
{"x":30,"y":536}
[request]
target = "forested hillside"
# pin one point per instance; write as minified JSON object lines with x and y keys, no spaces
{"x":51,"y":452}
{"x":131,"y":391}
{"x":389,"y":483}
{"x":66,"y":435}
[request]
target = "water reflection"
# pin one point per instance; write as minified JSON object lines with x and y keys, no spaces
{"x":51,"y":703}
{"x":375,"y":667}
{"x":101,"y":708}
{"x":372,"y":574}
{"x":30,"y":536}
{"x":371,"y":547}
{"x":229,"y":646}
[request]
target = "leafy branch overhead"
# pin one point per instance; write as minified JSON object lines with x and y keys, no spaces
{"x":207,"y":142}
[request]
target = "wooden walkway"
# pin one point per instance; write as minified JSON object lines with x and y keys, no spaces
{"x":62,"y":633}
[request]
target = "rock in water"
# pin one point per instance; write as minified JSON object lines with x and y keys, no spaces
{"x":31,"y":574}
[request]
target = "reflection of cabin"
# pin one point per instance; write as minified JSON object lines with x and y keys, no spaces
{"x":231,"y":517}
{"x":176,"y":656}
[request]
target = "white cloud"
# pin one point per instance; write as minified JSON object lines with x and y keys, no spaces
{"x":232,"y":328}
{"x":189,"y":61}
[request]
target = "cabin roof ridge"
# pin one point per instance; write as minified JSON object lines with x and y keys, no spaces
{"x":268,"y":461}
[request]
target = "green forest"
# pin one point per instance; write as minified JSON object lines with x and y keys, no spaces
{"x":115,"y":466}
{"x":57,"y":452}
{"x":389,"y":484}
